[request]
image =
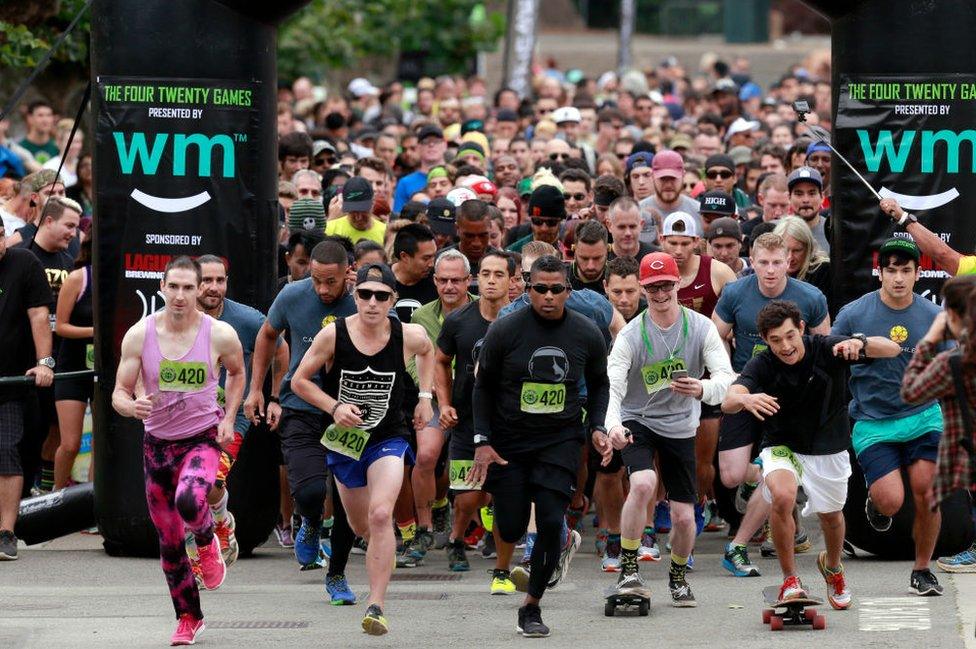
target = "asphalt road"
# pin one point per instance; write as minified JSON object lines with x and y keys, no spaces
{"x":68,"y":593}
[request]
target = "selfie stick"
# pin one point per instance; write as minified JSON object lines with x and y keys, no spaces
{"x":820,"y":135}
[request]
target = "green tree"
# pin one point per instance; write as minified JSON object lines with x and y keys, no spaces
{"x":336,"y":34}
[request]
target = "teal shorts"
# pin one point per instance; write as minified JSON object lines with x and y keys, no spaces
{"x":868,"y":432}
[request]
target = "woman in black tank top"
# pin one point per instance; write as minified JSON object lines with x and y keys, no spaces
{"x":375,"y":384}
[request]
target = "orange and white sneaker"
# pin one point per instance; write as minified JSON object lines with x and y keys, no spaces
{"x":792,"y":589}
{"x":197,"y":572}
{"x":838,"y":594}
{"x":224,"y":532}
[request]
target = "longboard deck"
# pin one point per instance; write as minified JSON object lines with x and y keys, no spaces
{"x":629,"y":599}
{"x":637,"y":593}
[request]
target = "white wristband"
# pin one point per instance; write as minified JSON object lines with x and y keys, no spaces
{"x":425,"y":395}
{"x":904,"y":219}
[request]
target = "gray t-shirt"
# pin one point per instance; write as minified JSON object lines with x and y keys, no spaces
{"x":650,"y":205}
{"x":640,"y":366}
{"x":820,"y":236}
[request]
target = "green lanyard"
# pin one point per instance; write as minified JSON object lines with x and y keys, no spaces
{"x":681,"y":343}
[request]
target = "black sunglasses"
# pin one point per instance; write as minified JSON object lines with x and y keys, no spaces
{"x":723,"y":174}
{"x":540,"y":221}
{"x":576,"y":197}
{"x":366,"y":294}
{"x":559,"y":156}
{"x":542,"y":289}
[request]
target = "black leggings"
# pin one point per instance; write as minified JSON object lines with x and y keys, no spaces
{"x":512,"y":512}
{"x":342,"y":535}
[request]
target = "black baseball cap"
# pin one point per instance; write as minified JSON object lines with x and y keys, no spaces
{"x":429,"y":130}
{"x":905,"y":247}
{"x":506,"y":115}
{"x":441,"y":217}
{"x":716,"y":202}
{"x":547,"y":202}
{"x":723,"y":227}
{"x":357,"y":195}
{"x":376,"y":273}
{"x":805,"y":175}
{"x":720,"y":160}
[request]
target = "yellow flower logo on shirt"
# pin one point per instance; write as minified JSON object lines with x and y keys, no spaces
{"x":899,"y":334}
{"x":327,"y":320}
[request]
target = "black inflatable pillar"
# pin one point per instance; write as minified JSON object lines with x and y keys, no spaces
{"x":184,"y":97}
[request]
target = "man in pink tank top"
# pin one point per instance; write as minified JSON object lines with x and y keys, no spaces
{"x":167,"y":377}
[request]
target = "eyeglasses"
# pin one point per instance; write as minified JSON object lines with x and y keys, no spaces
{"x":690,"y":185}
{"x":542,"y":289}
{"x":663,"y":287}
{"x":366,"y":294}
{"x":724,"y":174}
{"x":540,"y":222}
{"x":306,"y":191}
{"x":579,"y":196}
{"x":451,"y":280}
{"x":559,"y":156}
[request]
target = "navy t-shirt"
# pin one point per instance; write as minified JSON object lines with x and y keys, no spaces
{"x":246,"y":321}
{"x":876,"y":388}
{"x":741,"y":301}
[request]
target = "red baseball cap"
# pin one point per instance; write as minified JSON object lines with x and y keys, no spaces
{"x":484,"y":187}
{"x":658,"y":267}
{"x":668,"y":164}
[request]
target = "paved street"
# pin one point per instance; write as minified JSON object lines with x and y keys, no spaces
{"x":68,"y":593}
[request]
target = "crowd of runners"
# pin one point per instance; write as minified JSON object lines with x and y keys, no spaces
{"x":500,"y":315}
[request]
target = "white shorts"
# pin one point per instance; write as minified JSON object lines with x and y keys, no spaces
{"x":823,"y":477}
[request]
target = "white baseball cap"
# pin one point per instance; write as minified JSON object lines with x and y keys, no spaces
{"x":566,"y":114}
{"x":360,"y":87}
{"x":688,"y":227}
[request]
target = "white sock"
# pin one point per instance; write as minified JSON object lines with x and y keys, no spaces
{"x":219,"y":510}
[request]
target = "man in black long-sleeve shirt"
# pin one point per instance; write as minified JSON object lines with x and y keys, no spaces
{"x":528,"y":419}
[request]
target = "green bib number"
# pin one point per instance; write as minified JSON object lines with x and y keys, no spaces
{"x":657,"y":376}
{"x":180,"y":376}
{"x":543,"y":398}
{"x":459,"y":474}
{"x":345,"y":440}
{"x":89,"y":357}
{"x":785,"y":453}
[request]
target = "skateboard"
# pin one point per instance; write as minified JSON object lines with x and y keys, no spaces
{"x":632,"y":599}
{"x":778,"y":614}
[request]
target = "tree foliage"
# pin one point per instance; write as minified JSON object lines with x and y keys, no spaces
{"x":336,"y":34}
{"x":27,"y":31}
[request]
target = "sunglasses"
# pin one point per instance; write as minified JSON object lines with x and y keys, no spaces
{"x":542,"y":222}
{"x":622,"y":156}
{"x":690,"y":185}
{"x":579,"y":196}
{"x":451,"y":280}
{"x":542,"y":289}
{"x":665,"y":287}
{"x":366,"y":294}
{"x":324,"y":161}
{"x":723,"y":174}
{"x":559,"y":156}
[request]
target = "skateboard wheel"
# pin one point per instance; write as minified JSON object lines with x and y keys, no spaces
{"x":608,"y":610}
{"x":644,"y":609}
{"x":776,"y":623}
{"x":820,"y":622}
{"x":767,"y":615}
{"x":810,"y":614}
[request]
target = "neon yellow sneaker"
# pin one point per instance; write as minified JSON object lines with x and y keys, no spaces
{"x":373,"y":622}
{"x":501,"y":582}
{"x":488,"y":517}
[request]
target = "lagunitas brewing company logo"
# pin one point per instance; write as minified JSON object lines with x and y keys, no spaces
{"x":177,"y":136}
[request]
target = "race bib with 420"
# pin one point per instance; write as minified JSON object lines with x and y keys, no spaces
{"x":182,"y":376}
{"x":459,"y":474}
{"x":345,"y":440}
{"x":657,"y":376}
{"x":543,"y":398}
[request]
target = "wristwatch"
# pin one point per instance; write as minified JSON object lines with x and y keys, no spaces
{"x":602,"y":429}
{"x":273,"y":399}
{"x":480,"y":440}
{"x":864,"y":344}
{"x":907,"y":218}
{"x":48,"y":362}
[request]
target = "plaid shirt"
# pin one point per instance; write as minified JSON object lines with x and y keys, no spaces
{"x":928,"y":377}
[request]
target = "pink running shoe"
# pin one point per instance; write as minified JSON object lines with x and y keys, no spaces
{"x":186,"y":631}
{"x":212,"y":565}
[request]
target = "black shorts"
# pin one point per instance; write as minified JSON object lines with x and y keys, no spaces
{"x":301,"y":444}
{"x":461,"y":444}
{"x":74,"y":390}
{"x":738,"y":430}
{"x":11,"y":432}
{"x":593,"y":459}
{"x":708,"y":411}
{"x":552,"y":467}
{"x":676,"y":459}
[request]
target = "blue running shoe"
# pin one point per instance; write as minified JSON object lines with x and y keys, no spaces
{"x":338,"y":589}
{"x":307,"y":544}
{"x":699,"y":518}
{"x":326,"y":546}
{"x":529,"y":544}
{"x":965,"y":561}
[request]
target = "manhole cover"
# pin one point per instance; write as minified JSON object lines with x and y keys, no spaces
{"x":415,"y":576}
{"x":258,"y":624}
{"x":429,"y":597}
